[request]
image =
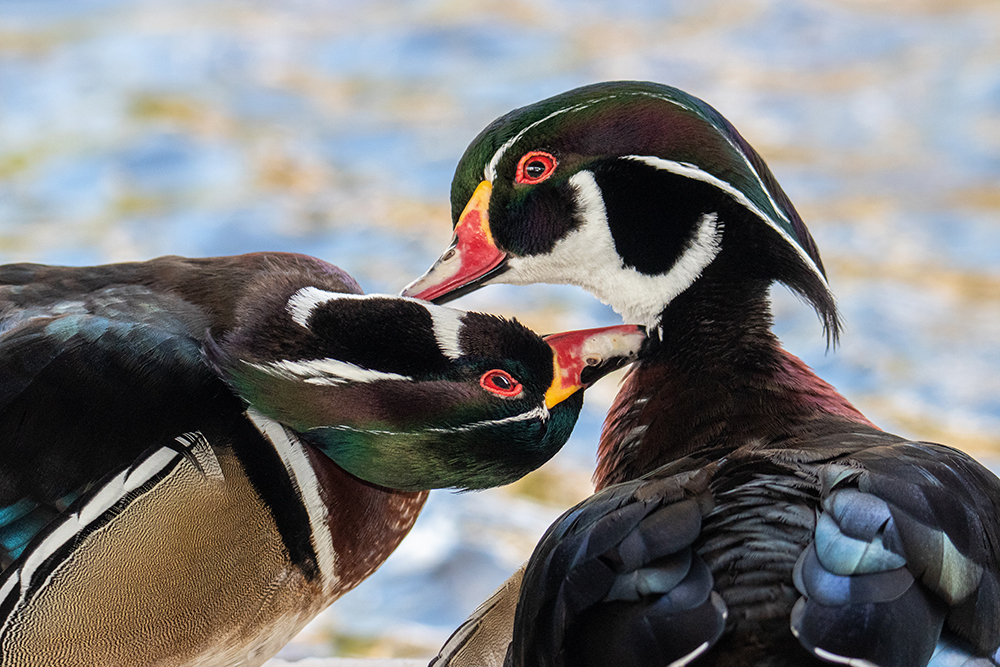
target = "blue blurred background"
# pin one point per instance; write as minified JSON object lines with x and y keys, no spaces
{"x":133,"y":128}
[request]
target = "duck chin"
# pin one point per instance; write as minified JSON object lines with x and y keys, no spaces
{"x":639,"y":298}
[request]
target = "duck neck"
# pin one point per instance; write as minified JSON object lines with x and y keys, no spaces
{"x":718,"y":380}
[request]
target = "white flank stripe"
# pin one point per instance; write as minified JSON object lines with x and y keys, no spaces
{"x":149,"y":467}
{"x":302,"y":475}
{"x":447,"y":326}
{"x":325,"y":371}
{"x":109,"y":494}
{"x":72,"y":525}
{"x":62,"y":534}
{"x":692,"y":171}
{"x":9,"y":584}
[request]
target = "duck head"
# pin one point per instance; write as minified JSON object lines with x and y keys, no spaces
{"x":408,"y":395}
{"x":631,"y":190}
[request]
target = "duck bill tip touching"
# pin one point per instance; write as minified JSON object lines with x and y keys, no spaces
{"x":469,"y":262}
{"x":581,"y":358}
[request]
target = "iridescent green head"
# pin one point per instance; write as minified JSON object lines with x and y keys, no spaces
{"x":632,"y":190}
{"x":408,"y":395}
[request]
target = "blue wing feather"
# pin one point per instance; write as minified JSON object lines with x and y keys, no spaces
{"x":905,"y":558}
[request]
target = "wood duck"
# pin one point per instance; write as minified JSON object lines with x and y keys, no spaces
{"x":747,"y":514}
{"x":199,"y":455}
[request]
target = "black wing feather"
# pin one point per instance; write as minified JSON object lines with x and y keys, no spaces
{"x":617,"y":580}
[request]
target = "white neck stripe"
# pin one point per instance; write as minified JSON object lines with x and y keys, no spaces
{"x":693,"y":171}
{"x":302,"y":475}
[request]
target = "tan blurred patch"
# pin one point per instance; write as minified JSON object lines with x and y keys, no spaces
{"x":378,"y":646}
{"x":985,"y":198}
{"x":23,"y":43}
{"x":555,"y":487}
{"x":964,"y":286}
{"x":279,"y":171}
{"x":14,"y":163}
{"x":928,"y":429}
{"x":130,"y":204}
{"x":181,"y":113}
{"x":525,"y":13}
{"x":414,"y":213}
{"x":868,"y":207}
{"x":918,"y":6}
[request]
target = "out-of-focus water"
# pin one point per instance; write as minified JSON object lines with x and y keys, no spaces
{"x":132,"y":128}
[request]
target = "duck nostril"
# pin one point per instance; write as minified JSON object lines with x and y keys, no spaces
{"x":592,"y":361}
{"x":447,"y":256}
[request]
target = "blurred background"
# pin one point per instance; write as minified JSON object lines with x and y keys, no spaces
{"x":131,"y":129}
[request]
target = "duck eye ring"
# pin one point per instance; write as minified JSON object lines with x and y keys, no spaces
{"x":535,"y":167}
{"x":501,"y":383}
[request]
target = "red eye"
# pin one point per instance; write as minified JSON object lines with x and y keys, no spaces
{"x":500,"y":383}
{"x":535,"y":167}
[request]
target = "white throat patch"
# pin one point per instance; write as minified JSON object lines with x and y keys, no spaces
{"x":587,"y":257}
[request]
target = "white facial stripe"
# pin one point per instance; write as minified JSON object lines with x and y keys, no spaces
{"x":737,"y":149}
{"x":301,"y":472}
{"x":447,"y":323}
{"x":541,"y":413}
{"x":447,"y":327}
{"x":638,"y":297}
{"x":692,"y":171}
{"x":304,"y":302}
{"x":325,"y":371}
{"x":490,"y":173}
